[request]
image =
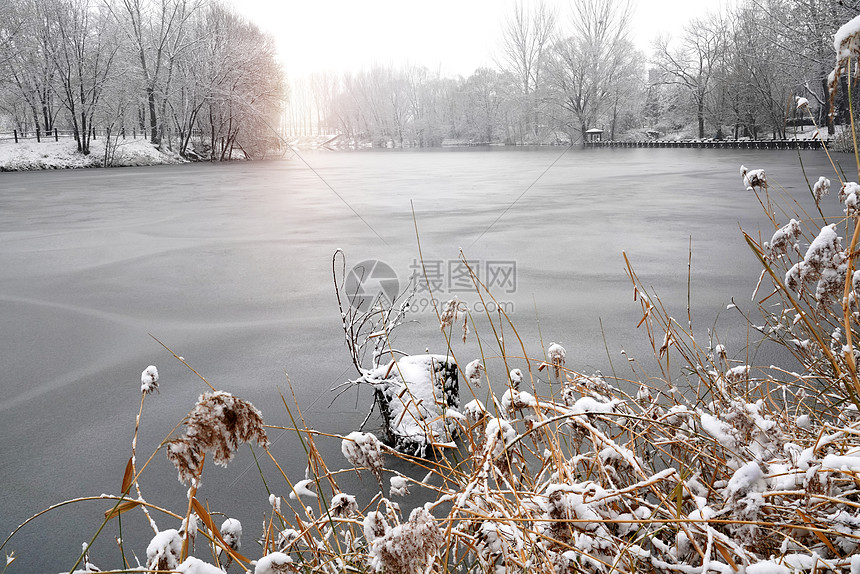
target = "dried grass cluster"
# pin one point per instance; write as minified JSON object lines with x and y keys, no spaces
{"x":218,"y":424}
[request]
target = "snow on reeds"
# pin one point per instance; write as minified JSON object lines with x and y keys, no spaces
{"x":218,"y":423}
{"x":743,"y":468}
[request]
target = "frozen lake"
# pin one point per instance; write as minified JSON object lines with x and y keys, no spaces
{"x":230,"y":266}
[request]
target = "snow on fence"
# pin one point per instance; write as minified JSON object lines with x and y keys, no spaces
{"x":716,"y":144}
{"x":18,"y":136}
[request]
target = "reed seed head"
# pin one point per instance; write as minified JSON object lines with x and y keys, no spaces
{"x":218,"y":424}
{"x":149,"y":380}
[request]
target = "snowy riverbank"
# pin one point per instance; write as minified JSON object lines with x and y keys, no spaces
{"x":63,"y":154}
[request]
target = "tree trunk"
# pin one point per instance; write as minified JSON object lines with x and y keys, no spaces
{"x":85,"y":135}
{"x":825,"y":117}
{"x":614,"y":120}
{"x":46,"y":115}
{"x":153,"y":121}
{"x":211,"y":135}
{"x":700,"y":115}
{"x":35,"y":116}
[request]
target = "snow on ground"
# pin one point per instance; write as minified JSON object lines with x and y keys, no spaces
{"x":63,"y":154}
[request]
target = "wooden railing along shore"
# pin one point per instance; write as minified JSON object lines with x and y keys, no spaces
{"x":785,"y":144}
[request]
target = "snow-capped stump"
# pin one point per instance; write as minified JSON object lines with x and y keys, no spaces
{"x":418,"y":396}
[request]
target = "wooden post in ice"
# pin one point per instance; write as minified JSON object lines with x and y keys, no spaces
{"x":413,"y":396}
{"x":15,"y":133}
{"x":38,"y":135}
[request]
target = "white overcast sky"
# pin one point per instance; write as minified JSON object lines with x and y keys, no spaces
{"x":458,"y":35}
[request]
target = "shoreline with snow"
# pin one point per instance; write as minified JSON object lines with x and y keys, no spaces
{"x":29,"y":155}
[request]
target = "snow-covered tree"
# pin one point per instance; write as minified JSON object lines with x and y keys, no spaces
{"x":27,"y":65}
{"x":156,"y":31}
{"x":586,"y":61}
{"x":692,"y":62}
{"x":83,"y":48}
{"x":242,"y":85}
{"x":527,"y":36}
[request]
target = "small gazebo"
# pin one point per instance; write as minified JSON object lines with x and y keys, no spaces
{"x":594,"y":135}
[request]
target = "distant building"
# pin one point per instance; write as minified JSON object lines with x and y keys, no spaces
{"x":594,"y":135}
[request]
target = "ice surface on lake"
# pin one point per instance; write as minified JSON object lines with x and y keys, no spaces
{"x":230,"y":266}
